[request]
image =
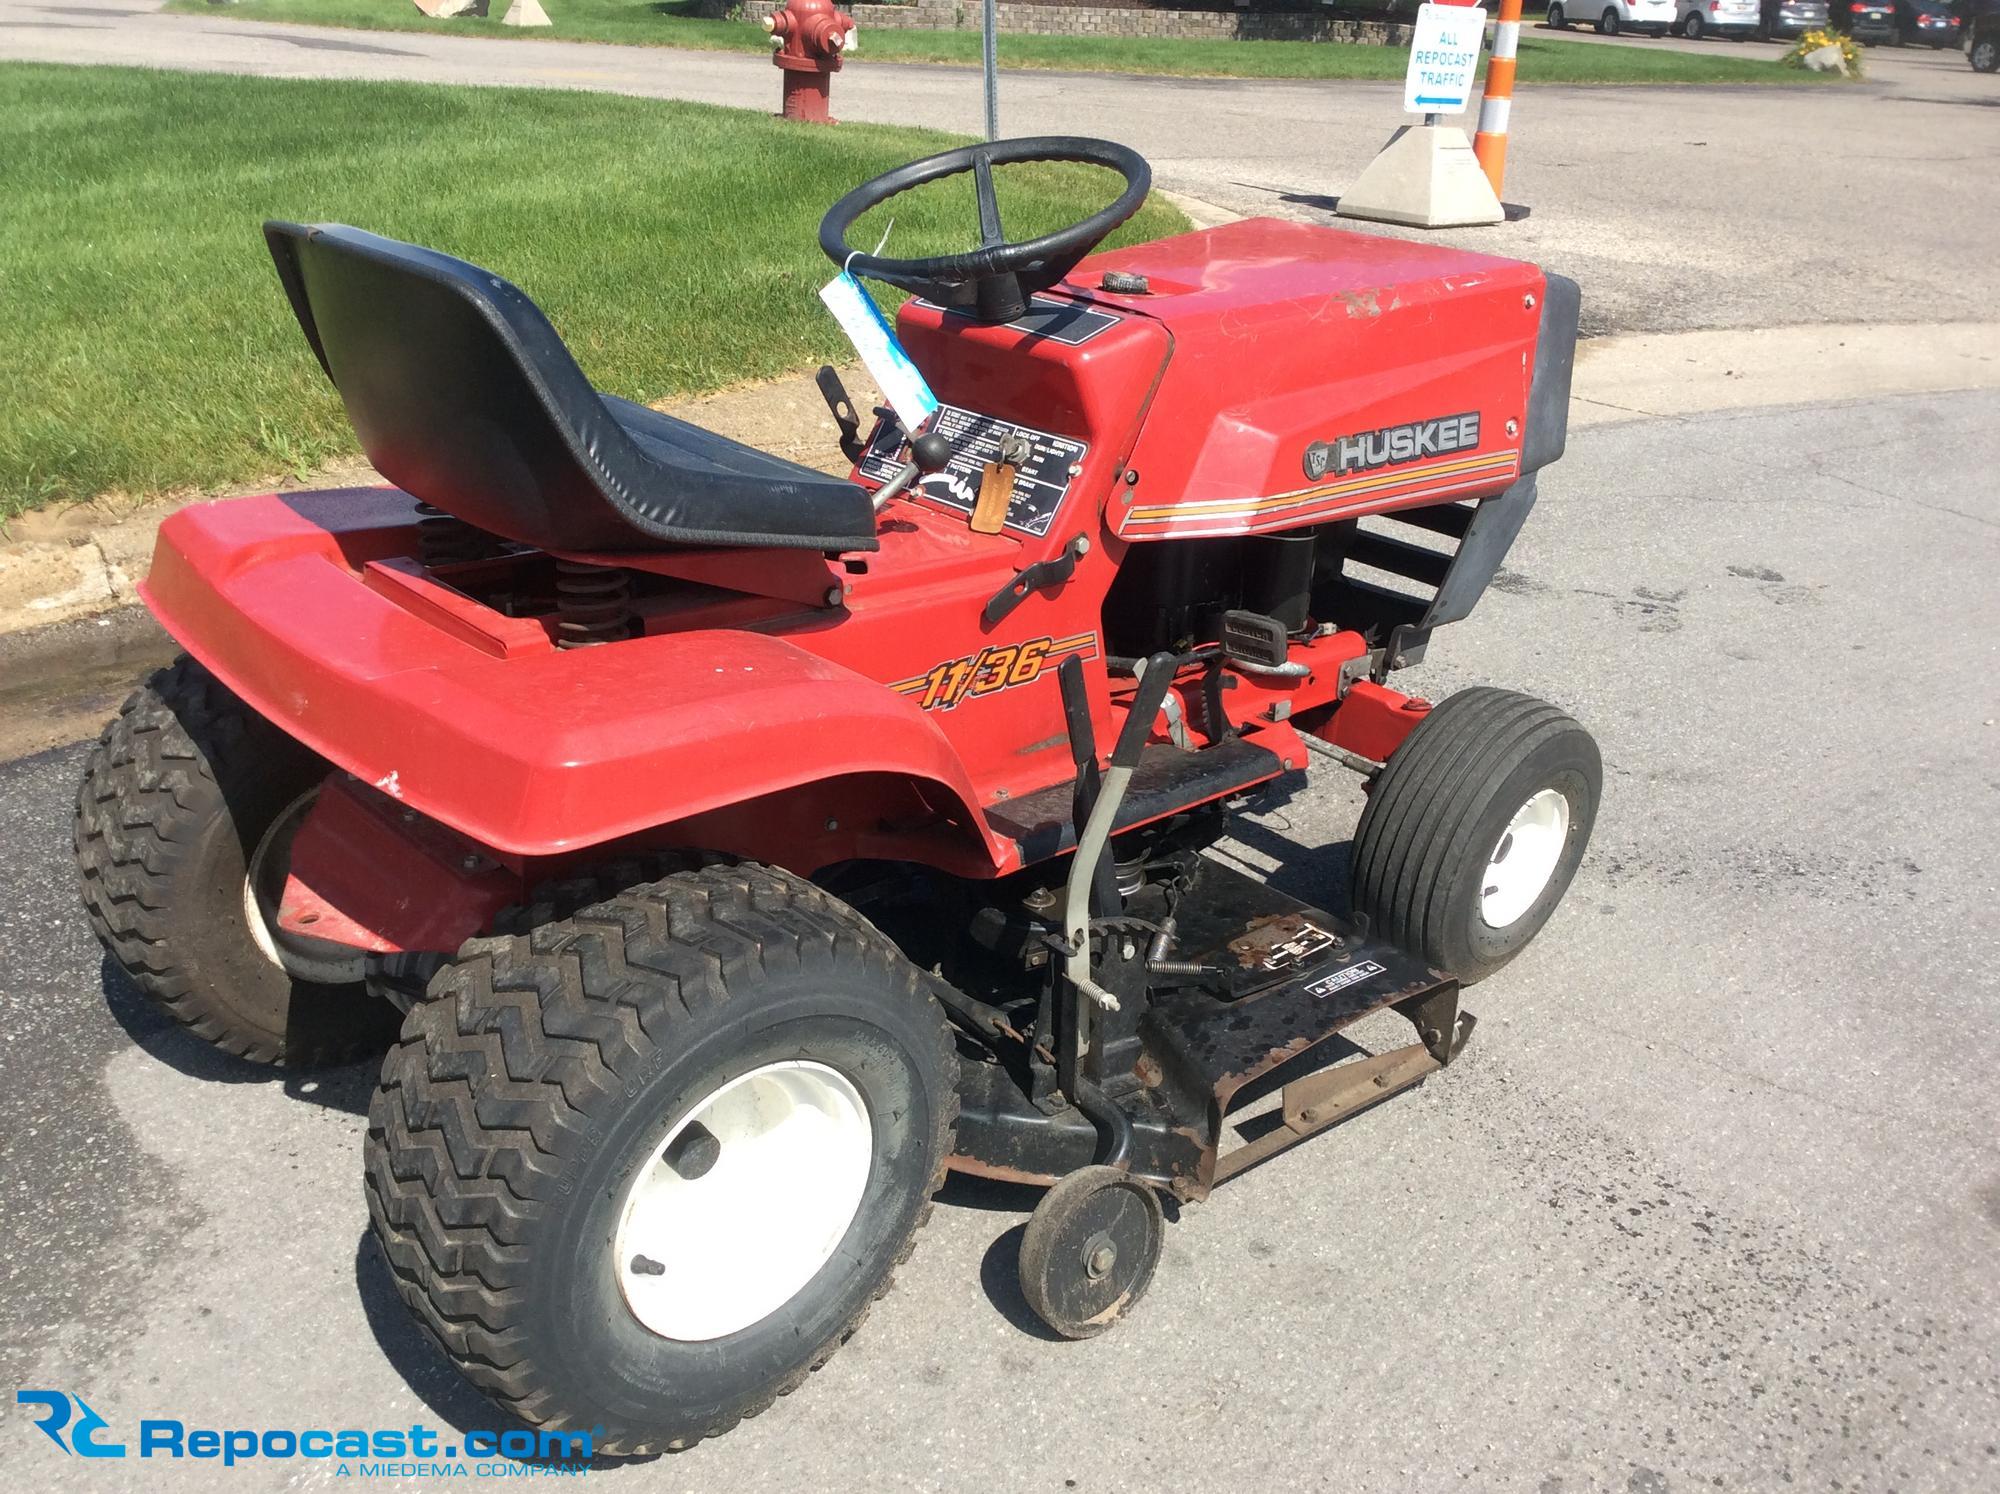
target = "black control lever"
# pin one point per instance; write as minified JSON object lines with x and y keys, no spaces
{"x":1032,"y":578}
{"x":929,"y":453}
{"x":1146,"y":701}
{"x":842,"y":408}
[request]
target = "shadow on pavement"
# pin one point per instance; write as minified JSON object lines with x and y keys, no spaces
{"x":964,"y":1191}
{"x":1000,"y":1279}
{"x":1320,"y":203}
{"x":1320,"y":875}
{"x":346,"y":1088}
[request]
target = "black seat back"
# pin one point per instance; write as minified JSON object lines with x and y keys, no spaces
{"x":464,"y":396}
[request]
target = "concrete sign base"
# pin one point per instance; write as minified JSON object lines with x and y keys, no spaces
{"x":1426,"y":177}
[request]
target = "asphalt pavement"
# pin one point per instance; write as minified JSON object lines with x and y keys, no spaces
{"x":1676,"y":208}
{"x":1712,"y":1201}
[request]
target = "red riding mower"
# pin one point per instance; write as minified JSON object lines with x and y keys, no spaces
{"x":740,"y":848}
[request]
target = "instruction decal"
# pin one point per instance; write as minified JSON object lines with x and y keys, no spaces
{"x":1040,"y":483}
{"x":1341,"y":979}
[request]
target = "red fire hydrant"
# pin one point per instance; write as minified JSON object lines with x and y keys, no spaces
{"x":810,"y":35}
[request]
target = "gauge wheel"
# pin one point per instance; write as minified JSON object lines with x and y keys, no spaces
{"x":1474,"y":829}
{"x":184,"y":825}
{"x":1607,"y":24}
{"x":1090,"y":1250}
{"x":1557,"y":20}
{"x":641,"y":1168}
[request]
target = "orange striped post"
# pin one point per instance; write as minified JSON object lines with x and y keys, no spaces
{"x":1490,"y":144}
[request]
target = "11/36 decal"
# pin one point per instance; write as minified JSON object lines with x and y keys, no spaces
{"x":997,"y":667}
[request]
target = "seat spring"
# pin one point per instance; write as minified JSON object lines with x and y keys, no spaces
{"x":446,"y":539}
{"x":593,"y":604}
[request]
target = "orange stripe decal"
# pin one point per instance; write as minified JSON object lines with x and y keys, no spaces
{"x":1388,"y":484}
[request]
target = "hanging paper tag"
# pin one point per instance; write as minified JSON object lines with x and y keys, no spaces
{"x":996,"y":491}
{"x":895,"y":375}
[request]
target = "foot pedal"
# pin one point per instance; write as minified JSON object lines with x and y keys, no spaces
{"x":1252,"y":638}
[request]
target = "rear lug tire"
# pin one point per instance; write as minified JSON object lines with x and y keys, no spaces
{"x":640,"y":1168}
{"x":181,"y":794}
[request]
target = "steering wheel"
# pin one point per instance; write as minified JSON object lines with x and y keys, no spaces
{"x":994,"y":281}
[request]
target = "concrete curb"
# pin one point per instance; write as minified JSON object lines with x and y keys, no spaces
{"x":59,"y":575}
{"x":1200,"y":213}
{"x":59,"y":682}
{"x":1665,"y":374}
{"x":47,"y":581}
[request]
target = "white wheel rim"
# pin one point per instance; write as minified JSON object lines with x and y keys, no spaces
{"x":1524,"y":858}
{"x":253,"y":913}
{"x":704,"y":1257}
{"x":260,"y":931}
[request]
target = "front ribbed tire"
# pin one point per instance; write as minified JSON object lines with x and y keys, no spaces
{"x":1474,"y":829}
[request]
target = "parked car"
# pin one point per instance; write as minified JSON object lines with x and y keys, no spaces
{"x":1868,"y":21}
{"x":1927,"y":23}
{"x":1610,"y":17}
{"x":1733,"y":18}
{"x":1982,"y":36}
{"x":1789,"y":18}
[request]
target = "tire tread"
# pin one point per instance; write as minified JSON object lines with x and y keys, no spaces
{"x":161,"y":769}
{"x":496,"y":1077}
{"x":1412,"y":839}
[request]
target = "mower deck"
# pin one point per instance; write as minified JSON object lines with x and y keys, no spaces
{"x":1285,"y":977}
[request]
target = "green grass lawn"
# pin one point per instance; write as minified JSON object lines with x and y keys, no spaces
{"x":148,"y":347}
{"x":665,"y":23}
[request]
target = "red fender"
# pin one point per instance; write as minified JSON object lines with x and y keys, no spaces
{"x":536,"y":754}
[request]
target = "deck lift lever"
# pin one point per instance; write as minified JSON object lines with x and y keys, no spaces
{"x":1097,"y":812}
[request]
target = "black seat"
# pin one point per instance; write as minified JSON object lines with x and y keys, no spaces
{"x":464,"y":397}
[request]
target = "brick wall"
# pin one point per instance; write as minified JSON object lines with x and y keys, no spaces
{"x":1096,"y":20}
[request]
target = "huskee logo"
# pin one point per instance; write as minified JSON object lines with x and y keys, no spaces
{"x":1393,"y":444}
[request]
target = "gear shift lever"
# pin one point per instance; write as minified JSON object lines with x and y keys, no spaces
{"x":929,"y":453}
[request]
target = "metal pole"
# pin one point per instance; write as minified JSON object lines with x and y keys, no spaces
{"x":990,"y":66}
